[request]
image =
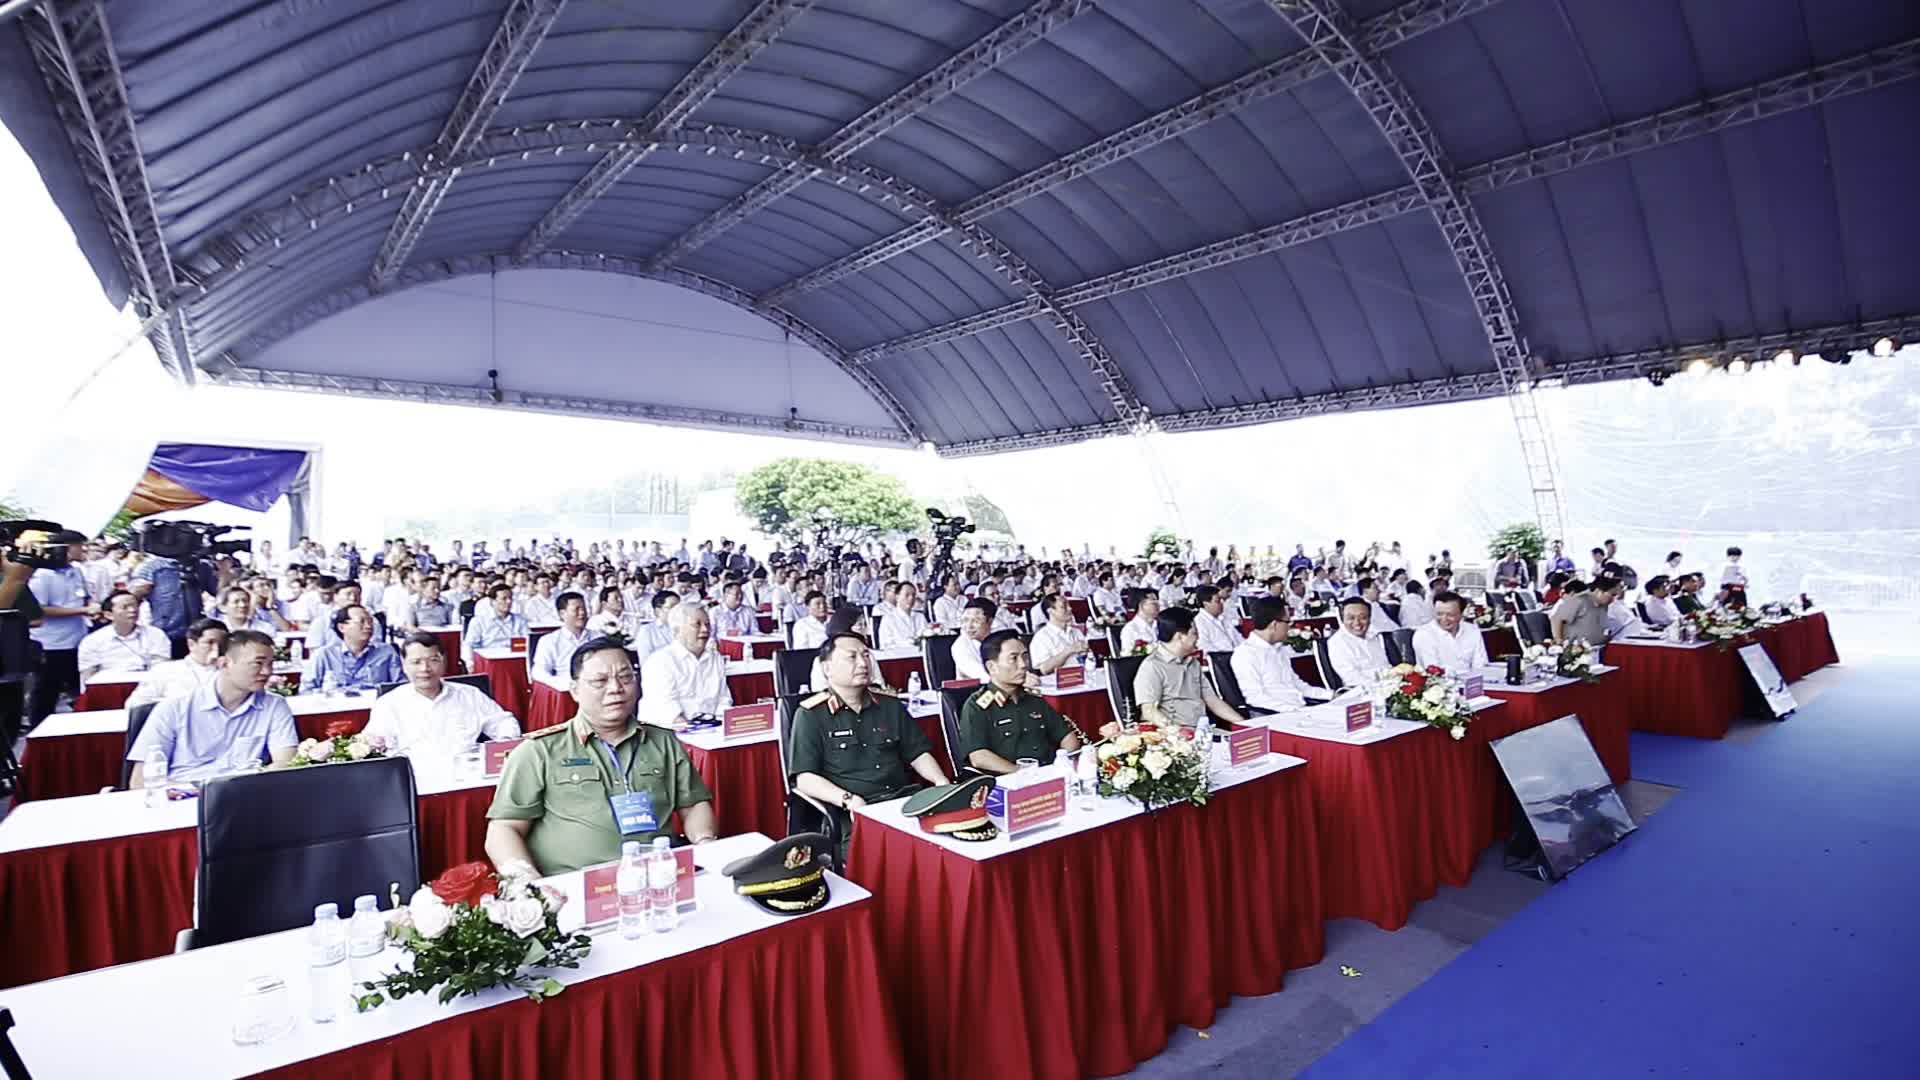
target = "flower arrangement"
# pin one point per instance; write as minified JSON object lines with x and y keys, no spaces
{"x":611,"y":628}
{"x":282,"y":653}
{"x":342,"y":743}
{"x":1573,"y":659}
{"x":280,"y":686}
{"x":1318,"y":608}
{"x":1141,"y":648}
{"x":471,"y":930}
{"x":1722,"y":626}
{"x":1428,"y":696}
{"x":1776,"y":610}
{"x":1300,"y":638}
{"x":1483,"y":616}
{"x":1153,"y":768}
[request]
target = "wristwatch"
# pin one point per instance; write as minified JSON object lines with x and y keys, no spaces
{"x":845,"y":798}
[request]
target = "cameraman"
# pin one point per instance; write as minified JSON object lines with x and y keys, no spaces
{"x":175,"y":589}
{"x":19,"y":612}
{"x":62,"y":594}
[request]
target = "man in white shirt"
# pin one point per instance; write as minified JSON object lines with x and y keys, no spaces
{"x":1211,"y":621}
{"x":538,"y":607}
{"x":976,"y":622}
{"x":123,"y":644}
{"x":1450,"y":642}
{"x":949,"y":604}
{"x":494,"y":625}
{"x":1379,"y":621}
{"x":1143,"y":628}
{"x":1661,"y":611}
{"x":1263,"y":664}
{"x":431,"y":714}
{"x":553,"y":657}
{"x":206,"y":640}
{"x":902,"y":625}
{"x":810,"y":632}
{"x":687,"y":679}
{"x":1733,"y":574}
{"x":1057,"y":644}
{"x":1415,"y":609}
{"x":733,"y":618}
{"x":1357,"y":655}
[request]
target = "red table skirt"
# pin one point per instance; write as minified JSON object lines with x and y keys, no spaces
{"x":750,"y":688}
{"x":1601,"y":706}
{"x":450,"y":648}
{"x":897,"y":672}
{"x":1402,"y":817}
{"x":803,"y":999}
{"x":70,"y":765}
{"x":549,"y":708}
{"x":103,"y":697}
{"x":1801,"y":647}
{"x":1692,"y":692}
{"x":76,"y":907}
{"x":736,"y":648}
{"x":749,"y":794}
{"x":314,"y":725}
{"x":1088,"y":712}
{"x":1500,"y":641}
{"x":509,"y":681}
{"x":1122,"y":933}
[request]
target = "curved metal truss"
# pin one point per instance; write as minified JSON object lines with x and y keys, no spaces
{"x":341,"y":300}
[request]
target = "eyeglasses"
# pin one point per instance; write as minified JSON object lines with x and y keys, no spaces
{"x":623,"y":681}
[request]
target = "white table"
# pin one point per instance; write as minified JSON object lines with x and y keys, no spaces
{"x":1327,"y":722}
{"x":173,"y":1015}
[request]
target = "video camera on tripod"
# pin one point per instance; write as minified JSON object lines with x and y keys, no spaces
{"x":947,"y":528}
{"x":188,"y":540}
{"x":31,"y":542}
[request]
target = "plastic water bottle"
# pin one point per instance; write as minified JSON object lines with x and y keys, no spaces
{"x":1063,"y":764}
{"x":326,"y":964}
{"x":663,"y":874}
{"x":366,"y":941}
{"x":913,"y":686}
{"x":631,"y":881}
{"x":154,"y":775}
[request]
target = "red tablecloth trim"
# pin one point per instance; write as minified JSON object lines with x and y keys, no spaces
{"x":70,"y":765}
{"x":549,"y":708}
{"x":749,"y":794}
{"x":450,"y":648}
{"x":1500,"y":641}
{"x":1122,"y":933}
{"x":736,"y":648}
{"x":751,"y":687}
{"x":1691,"y":692}
{"x":314,"y":725}
{"x":508,"y":678}
{"x":76,"y":907}
{"x":1802,"y":646}
{"x":802,"y":999}
{"x":1088,"y":712}
{"x":897,"y":672}
{"x":103,"y":697}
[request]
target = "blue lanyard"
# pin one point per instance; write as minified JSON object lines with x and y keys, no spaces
{"x":619,"y":770}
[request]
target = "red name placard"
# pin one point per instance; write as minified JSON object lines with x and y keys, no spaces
{"x":742,"y":720}
{"x":1067,"y":678}
{"x":496,"y":755}
{"x":1023,"y":809}
{"x":1359,"y":716}
{"x":518,"y":644}
{"x":683,"y":881}
{"x":1247,"y":744}
{"x":602,"y":894}
{"x":959,"y":684}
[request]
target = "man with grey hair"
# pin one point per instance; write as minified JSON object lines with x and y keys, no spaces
{"x":687,"y":679}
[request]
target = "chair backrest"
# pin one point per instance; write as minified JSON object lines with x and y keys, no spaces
{"x":1113,"y":640}
{"x":10,"y":1061}
{"x":1525,"y":599}
{"x":1640,"y":608}
{"x":274,"y":844}
{"x":936,"y":651}
{"x":1399,"y":645}
{"x":1225,"y":682}
{"x":1324,"y":660}
{"x":534,"y":634}
{"x":1498,"y":602}
{"x":136,"y":720}
{"x":1392,"y":609}
{"x":801,"y":816}
{"x":950,"y":704}
{"x":1532,"y":627}
{"x":792,"y":671}
{"x":484,"y":683}
{"x":1120,"y":673}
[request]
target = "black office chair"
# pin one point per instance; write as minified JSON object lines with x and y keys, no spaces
{"x":1399,"y":646}
{"x":1120,"y":673}
{"x":1322,"y":659}
{"x":263,"y":867}
{"x":951,"y":702}
{"x":1532,"y":627}
{"x":1392,"y":610}
{"x":1640,"y":609}
{"x":1526,"y":599}
{"x":10,"y":1061}
{"x":1227,"y":684}
{"x":533,"y":643}
{"x":936,"y":652}
{"x":1113,"y":640}
{"x":136,"y":720}
{"x":793,"y":671}
{"x":1498,"y":602}
{"x":804,"y":812}
{"x":484,"y":683}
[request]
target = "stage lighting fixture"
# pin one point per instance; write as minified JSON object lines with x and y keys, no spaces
{"x":1786,"y":356}
{"x":1884,"y":347}
{"x":1700,"y":367}
{"x":1737,"y":367}
{"x":928,"y":447}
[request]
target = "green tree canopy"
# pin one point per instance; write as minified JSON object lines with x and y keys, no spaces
{"x":987,"y":514}
{"x":792,"y":497}
{"x":1521,"y":536}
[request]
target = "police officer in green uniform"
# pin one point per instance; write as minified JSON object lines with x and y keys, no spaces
{"x":1003,"y":722}
{"x":852,"y":745}
{"x":570,"y":795}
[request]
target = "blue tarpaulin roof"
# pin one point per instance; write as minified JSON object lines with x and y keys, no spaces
{"x":1092,"y":214}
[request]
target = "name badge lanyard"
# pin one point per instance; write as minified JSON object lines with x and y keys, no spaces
{"x":619,"y":770}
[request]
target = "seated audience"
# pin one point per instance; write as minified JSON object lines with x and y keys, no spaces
{"x":227,"y":725}
{"x":429,"y":713}
{"x":1450,"y":641}
{"x":123,"y":644}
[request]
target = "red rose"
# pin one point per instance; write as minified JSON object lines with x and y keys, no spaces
{"x":341,"y":729}
{"x":1435,"y":671}
{"x":1413,"y":683}
{"x":468,"y":883}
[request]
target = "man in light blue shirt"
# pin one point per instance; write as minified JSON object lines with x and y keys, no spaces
{"x":493,"y":626}
{"x":553,"y":657}
{"x":62,"y":595}
{"x":863,"y":589}
{"x":354,"y":662}
{"x":228,"y":724}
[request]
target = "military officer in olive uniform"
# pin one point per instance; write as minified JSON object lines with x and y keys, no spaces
{"x":1003,"y":722}
{"x":851,"y":744}
{"x":569,"y":795}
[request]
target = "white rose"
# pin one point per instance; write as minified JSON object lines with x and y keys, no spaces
{"x":431,"y":916}
{"x":358,"y":749}
{"x":1156,"y":762}
{"x":525,"y":916}
{"x":1435,"y":694}
{"x":1459,"y":731}
{"x":309,"y":749}
{"x":1124,"y":779}
{"x":1129,"y":743}
{"x":1108,"y":750}
{"x":495,"y":910}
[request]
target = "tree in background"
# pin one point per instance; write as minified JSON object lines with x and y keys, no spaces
{"x":795,"y":498}
{"x":987,"y":514}
{"x":1162,"y":545}
{"x":1521,"y":536}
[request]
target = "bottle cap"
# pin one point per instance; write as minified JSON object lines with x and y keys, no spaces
{"x":662,"y":843}
{"x":326,"y":911}
{"x":366,"y":903}
{"x":631,"y":847}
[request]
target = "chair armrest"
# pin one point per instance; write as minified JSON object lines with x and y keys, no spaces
{"x":830,"y":823}
{"x":184,"y":941}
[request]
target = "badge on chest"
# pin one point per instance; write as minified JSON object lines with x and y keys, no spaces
{"x":633,"y":812}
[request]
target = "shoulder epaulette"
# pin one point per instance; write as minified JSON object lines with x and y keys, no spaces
{"x":547,"y":731}
{"x":988,"y":698}
{"x":882,"y":691}
{"x":817,"y":699}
